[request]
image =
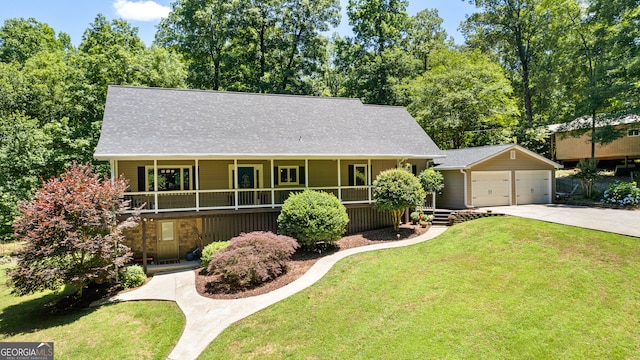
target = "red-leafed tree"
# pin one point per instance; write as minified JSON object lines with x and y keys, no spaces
{"x":71,"y":232}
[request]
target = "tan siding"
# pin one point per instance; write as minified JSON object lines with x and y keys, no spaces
{"x":214,"y":174}
{"x":503,"y":162}
{"x":380,"y":166}
{"x":323,"y":173}
{"x":129,"y":169}
{"x":576,"y":148}
{"x":453,"y":194}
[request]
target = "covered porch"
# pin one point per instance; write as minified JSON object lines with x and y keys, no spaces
{"x":246,"y":183}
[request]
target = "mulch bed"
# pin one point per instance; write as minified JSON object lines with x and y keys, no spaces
{"x":301,"y":262}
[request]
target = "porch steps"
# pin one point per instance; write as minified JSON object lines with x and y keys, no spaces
{"x":441,"y":216}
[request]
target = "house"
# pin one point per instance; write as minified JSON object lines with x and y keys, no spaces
{"x":568,"y":146}
{"x":208,"y":165}
{"x":495,"y":176}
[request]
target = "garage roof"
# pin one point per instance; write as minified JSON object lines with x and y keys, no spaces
{"x":468,"y":157}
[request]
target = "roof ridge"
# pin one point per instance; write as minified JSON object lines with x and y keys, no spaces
{"x":238,"y":93}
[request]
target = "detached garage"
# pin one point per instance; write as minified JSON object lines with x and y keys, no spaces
{"x":495,"y":176}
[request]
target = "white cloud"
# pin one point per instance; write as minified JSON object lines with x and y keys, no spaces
{"x":140,"y":10}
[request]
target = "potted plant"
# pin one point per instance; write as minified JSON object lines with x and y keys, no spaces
{"x":415,"y":217}
{"x":425,"y":220}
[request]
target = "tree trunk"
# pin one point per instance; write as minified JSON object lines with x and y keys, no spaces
{"x":593,"y":135}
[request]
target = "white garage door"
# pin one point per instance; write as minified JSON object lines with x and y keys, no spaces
{"x":491,"y":188}
{"x":533,"y":187}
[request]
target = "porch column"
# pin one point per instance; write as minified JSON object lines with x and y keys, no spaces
{"x":235,"y":181}
{"x":197,"y":184}
{"x":339,"y":183}
{"x":273,"y":185}
{"x":155,"y":184}
{"x":112,"y":166}
{"x":369,"y":178}
{"x":306,"y":173}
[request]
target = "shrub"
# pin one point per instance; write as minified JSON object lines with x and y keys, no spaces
{"x":210,"y":250}
{"x":132,"y":276}
{"x":622,"y":193}
{"x":396,"y":190}
{"x":432,"y":181}
{"x":253,"y":258}
{"x":415,"y":216}
{"x":71,"y":233}
{"x":313,"y":217}
{"x":587,"y":174}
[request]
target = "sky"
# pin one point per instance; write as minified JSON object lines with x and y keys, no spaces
{"x":74,"y":16}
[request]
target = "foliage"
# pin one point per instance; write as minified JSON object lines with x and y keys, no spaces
{"x":516,"y":30}
{"x":312,"y":217}
{"x":463,"y":100}
{"x":52,"y":97}
{"x":20,"y":39}
{"x":415,"y":216}
{"x":210,"y":250}
{"x":396,"y":190}
{"x":425,"y":219}
{"x":587,"y":173}
{"x":432,"y":180}
{"x":71,"y":233}
{"x":622,"y":193}
{"x":252,"y":259}
{"x":374,"y":61}
{"x":132,"y":276}
{"x":259,"y":46}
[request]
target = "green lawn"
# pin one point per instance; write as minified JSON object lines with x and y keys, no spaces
{"x":132,"y":330}
{"x":491,"y":288}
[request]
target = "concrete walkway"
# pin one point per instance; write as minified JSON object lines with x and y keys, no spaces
{"x":625,"y":222}
{"x":207,"y":318}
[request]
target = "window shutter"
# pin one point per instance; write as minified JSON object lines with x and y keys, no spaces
{"x":276,"y":175}
{"x":141,"y":179}
{"x":351,"y":171}
{"x":301,"y":175}
{"x":414,"y":170}
{"x":193,"y":177}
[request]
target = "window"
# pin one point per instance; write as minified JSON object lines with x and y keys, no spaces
{"x":288,"y":175}
{"x":634,"y":132}
{"x":360,"y":175}
{"x":167,"y":231}
{"x":173,"y":178}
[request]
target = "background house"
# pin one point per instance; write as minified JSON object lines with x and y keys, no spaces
{"x":213,"y":164}
{"x":494,"y":176}
{"x":568,"y":147}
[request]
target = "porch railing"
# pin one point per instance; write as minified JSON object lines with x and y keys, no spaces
{"x":196,"y":200}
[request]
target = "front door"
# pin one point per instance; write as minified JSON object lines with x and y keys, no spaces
{"x":168,"y":241}
{"x":249,"y":178}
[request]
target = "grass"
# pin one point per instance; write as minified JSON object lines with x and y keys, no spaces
{"x":131,"y":330}
{"x":490,"y":288}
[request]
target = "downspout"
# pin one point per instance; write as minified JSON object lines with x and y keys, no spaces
{"x":466,"y":204}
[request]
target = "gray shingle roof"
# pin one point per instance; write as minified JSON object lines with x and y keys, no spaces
{"x":156,"y":122}
{"x":601,"y":120}
{"x":463,"y":158}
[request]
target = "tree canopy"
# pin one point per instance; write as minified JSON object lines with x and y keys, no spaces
{"x":71,"y":233}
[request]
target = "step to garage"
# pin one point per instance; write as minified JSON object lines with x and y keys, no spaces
{"x":441,"y":216}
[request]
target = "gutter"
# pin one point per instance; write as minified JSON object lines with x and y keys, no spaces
{"x":466,"y":204}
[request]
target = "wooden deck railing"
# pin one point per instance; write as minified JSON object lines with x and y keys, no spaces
{"x":197,"y":200}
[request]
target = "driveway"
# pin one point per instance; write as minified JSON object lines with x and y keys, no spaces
{"x":625,"y":222}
